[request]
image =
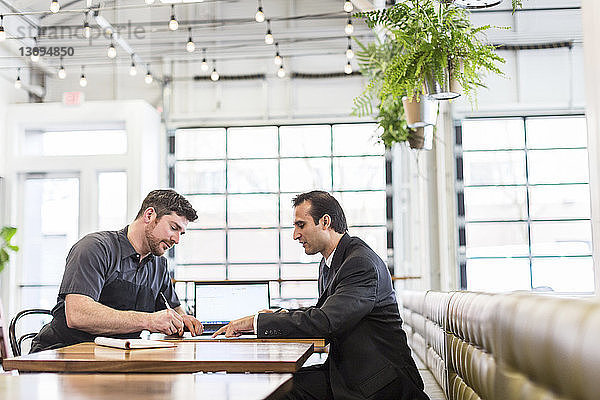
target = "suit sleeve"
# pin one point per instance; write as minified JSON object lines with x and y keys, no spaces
{"x":353,"y":298}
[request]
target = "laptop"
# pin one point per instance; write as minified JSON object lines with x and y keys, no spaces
{"x":219,"y":302}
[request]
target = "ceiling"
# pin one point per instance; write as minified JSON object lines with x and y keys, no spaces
{"x":222,"y":30}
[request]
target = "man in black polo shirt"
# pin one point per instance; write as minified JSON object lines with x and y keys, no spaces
{"x":114,"y":281}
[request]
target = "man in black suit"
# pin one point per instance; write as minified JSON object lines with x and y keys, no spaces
{"x":357,"y":313}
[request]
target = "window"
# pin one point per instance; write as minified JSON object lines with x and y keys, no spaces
{"x":242,"y":180}
{"x":525,"y":202}
{"x":74,"y":142}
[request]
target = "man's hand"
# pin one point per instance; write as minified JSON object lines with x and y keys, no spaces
{"x":237,"y":327}
{"x":193,"y":325}
{"x":168,"y":322}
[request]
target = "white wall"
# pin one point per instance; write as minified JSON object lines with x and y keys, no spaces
{"x":546,"y":79}
{"x":591,"y":20}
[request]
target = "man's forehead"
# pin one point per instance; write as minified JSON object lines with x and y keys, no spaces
{"x":180,"y":219}
{"x":302,"y":212}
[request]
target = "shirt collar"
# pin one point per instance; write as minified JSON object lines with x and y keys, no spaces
{"x":329,"y":259}
{"x":127,"y":249}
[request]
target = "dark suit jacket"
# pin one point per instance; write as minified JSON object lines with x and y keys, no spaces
{"x":358,"y":314}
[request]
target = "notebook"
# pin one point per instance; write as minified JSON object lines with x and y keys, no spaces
{"x":217,"y":303}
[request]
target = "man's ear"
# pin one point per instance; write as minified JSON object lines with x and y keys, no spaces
{"x":326,"y":221}
{"x":149,"y":214}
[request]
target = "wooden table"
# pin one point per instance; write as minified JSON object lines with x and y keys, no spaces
{"x":184,"y":357}
{"x":144,"y":386}
{"x":319,"y":344}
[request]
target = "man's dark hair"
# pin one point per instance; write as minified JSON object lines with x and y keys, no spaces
{"x":322,"y":203}
{"x":166,"y":201}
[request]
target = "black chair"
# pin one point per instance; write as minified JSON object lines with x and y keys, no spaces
{"x":15,"y":343}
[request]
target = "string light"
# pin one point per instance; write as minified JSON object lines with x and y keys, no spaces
{"x":83,"y":80}
{"x":214,"y":76}
{"x":348,"y":7}
{"x":54,"y":6}
{"x":2,"y":31}
{"x":190,"y":46}
{"x":260,"y":15}
{"x":87,"y":31}
{"x":269,"y":35}
{"x":204,"y":65}
{"x":132,"y":69}
{"x":35,"y":52}
{"x":111,"y":52}
{"x":18,"y":83}
{"x":148,"y":78}
{"x":348,"y":68}
{"x":349,"y":52}
{"x":62,"y":74}
{"x":277,"y":60}
{"x":173,"y":24}
{"x":349,"y":29}
{"x":281,"y":72}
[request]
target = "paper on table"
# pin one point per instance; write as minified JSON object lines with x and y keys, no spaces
{"x":131,"y":343}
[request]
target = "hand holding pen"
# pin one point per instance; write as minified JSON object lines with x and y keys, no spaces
{"x":169,"y":322}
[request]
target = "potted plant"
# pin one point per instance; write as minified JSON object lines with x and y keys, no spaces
{"x":373,"y":59}
{"x":438,"y":45}
{"x":6,"y":234}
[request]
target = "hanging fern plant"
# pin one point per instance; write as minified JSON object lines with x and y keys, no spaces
{"x":435,"y":39}
{"x":373,"y":60}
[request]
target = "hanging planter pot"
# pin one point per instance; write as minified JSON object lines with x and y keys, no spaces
{"x":421,"y":138}
{"x":420,"y":113}
{"x":440,"y":89}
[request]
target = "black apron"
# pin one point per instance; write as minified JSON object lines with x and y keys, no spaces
{"x":119,"y":294}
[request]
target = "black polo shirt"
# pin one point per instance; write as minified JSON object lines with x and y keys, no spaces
{"x":98,"y":258}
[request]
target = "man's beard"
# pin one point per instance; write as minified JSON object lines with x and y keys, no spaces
{"x":154,"y":242}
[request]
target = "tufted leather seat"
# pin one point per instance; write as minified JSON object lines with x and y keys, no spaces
{"x":507,"y":346}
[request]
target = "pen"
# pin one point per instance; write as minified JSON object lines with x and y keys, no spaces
{"x":165,"y":300}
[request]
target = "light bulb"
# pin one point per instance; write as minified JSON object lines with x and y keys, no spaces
{"x":278,"y":60}
{"x":83,"y":81}
{"x":190,"y":46}
{"x":87,"y":31}
{"x":348,"y":68}
{"x":214,"y":75}
{"x":349,"y":29}
{"x":269,"y":38}
{"x":35,"y":57}
{"x":132,"y":69}
{"x":149,"y":2}
{"x":2,"y":34}
{"x":54,"y":6}
{"x":62,"y":74}
{"x":349,"y":53}
{"x":204,"y":65}
{"x":281,"y":72}
{"x":111,"y":52}
{"x":348,"y":7}
{"x":18,"y":83}
{"x":259,"y":16}
{"x":173,"y":24}
{"x":148,"y":79}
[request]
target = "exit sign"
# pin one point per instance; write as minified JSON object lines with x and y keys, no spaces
{"x":72,"y":98}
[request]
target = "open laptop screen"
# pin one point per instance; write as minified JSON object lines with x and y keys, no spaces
{"x":221,"y":302}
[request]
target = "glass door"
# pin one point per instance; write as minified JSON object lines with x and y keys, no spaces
{"x":51,"y":227}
